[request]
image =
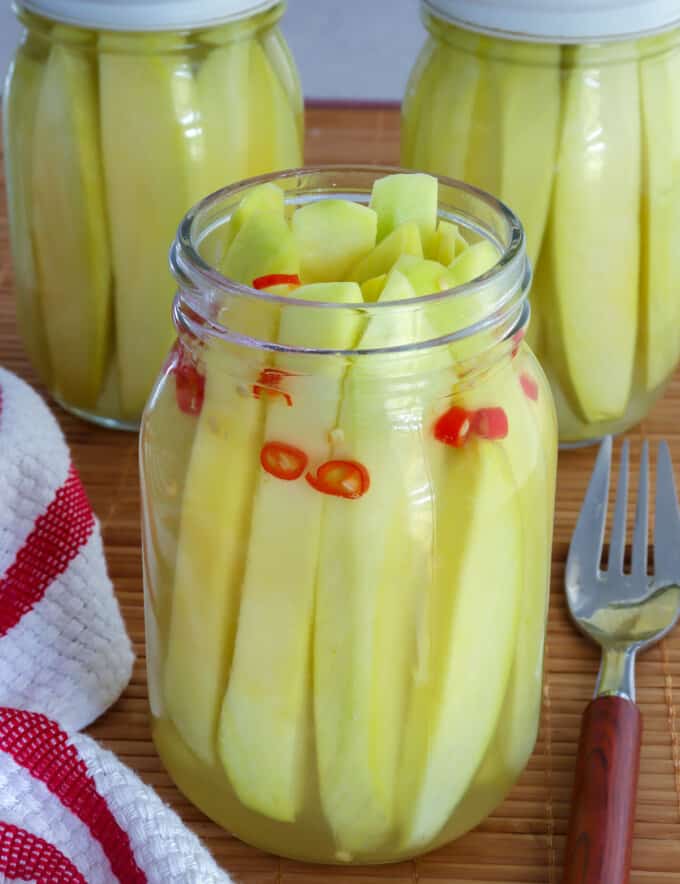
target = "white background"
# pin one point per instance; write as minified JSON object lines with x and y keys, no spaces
{"x":358,"y":49}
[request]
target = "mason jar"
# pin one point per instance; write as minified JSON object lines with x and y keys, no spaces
{"x":117,"y":118}
{"x":347,"y":521}
{"x":571,"y":115}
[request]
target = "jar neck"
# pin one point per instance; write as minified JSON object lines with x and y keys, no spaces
{"x":475,"y":321}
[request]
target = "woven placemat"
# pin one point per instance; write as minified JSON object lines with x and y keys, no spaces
{"x":524,"y":839}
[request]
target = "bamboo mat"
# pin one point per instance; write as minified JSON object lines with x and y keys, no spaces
{"x":523,"y":840}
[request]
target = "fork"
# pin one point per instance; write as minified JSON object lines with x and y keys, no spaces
{"x":624,"y":611}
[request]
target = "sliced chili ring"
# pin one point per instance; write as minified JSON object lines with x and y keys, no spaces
{"x":283,"y":461}
{"x":272,"y":279}
{"x":341,"y":478}
{"x":490,"y":423}
{"x":517,"y":339}
{"x":189,"y":383}
{"x":529,"y":385}
{"x":453,"y":427}
{"x":268,"y":383}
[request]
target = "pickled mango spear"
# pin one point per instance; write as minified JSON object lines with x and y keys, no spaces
{"x":163,"y":488}
{"x":264,"y":199}
{"x":403,"y":240}
{"x":534,"y":465}
{"x":153,"y":155}
{"x":22,"y":92}
{"x":441,"y":143}
{"x":276,"y":134}
{"x":217,"y":502}
{"x":222,"y":84}
{"x":447,"y":244}
{"x":368,"y":586}
{"x":594,"y":238}
{"x":415,"y":108}
{"x":332,"y":236}
{"x":70,"y":226}
{"x":459,"y":689}
{"x":513,"y":144}
{"x":265,"y":726}
{"x":277,"y":51}
{"x":460,"y":310}
{"x":410,"y":196}
{"x":531,"y":447}
{"x":660,"y":212}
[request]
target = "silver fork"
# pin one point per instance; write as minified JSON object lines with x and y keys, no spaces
{"x":624,"y":611}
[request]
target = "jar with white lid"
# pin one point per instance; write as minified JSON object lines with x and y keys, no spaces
{"x":118,"y":116}
{"x":570,"y":113}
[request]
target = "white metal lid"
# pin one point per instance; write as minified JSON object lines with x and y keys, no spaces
{"x":146,"y":15}
{"x":561,"y":21}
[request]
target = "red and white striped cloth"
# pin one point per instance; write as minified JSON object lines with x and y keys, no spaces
{"x":69,"y":811}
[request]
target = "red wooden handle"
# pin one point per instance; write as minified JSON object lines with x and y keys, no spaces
{"x":603,"y":803}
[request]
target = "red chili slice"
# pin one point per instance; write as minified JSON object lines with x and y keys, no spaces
{"x":517,"y":342}
{"x":341,"y":478}
{"x":529,"y":385}
{"x":272,"y":279}
{"x":268,"y":383}
{"x":283,"y":461}
{"x":189,"y":384}
{"x":490,"y":423}
{"x":453,"y":427}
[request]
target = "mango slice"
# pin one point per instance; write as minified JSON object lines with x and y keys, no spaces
{"x":461,"y":683}
{"x":24,"y":84}
{"x":283,"y":65}
{"x":528,"y":84}
{"x":149,"y":100}
{"x":263,"y":245}
{"x":404,"y":240}
{"x":447,"y":244}
{"x":425,"y":276}
{"x":264,"y":199}
{"x":531,"y":448}
{"x":415,"y":113}
{"x":397,"y":199}
{"x":268,"y":698}
{"x":372,"y":288}
{"x":222,"y":81}
{"x":276,"y":139}
{"x":595,"y":204}
{"x":442,"y":144}
{"x":332,"y":235}
{"x":473,"y":262}
{"x":73,"y":261}
{"x":216,"y":511}
{"x":366,"y":604}
{"x":660,"y":213}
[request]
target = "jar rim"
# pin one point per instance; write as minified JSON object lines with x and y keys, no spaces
{"x":553,"y":21}
{"x":145,"y":16}
{"x":510,"y":275}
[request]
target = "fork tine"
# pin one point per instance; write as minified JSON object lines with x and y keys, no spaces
{"x":666,"y":520}
{"x":617,"y":544}
{"x":641,"y":530}
{"x":586,"y":543}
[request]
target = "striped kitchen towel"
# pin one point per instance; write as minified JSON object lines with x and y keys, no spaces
{"x":69,"y":810}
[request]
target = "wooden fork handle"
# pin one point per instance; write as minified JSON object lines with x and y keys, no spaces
{"x":603,"y":803}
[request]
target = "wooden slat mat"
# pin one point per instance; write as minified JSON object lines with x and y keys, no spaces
{"x":523,"y":841}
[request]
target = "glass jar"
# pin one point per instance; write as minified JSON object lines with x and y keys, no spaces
{"x":580,"y":135}
{"x":110,"y":136}
{"x":346,"y":598}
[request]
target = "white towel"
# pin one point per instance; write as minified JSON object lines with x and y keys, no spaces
{"x":69,"y":811}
